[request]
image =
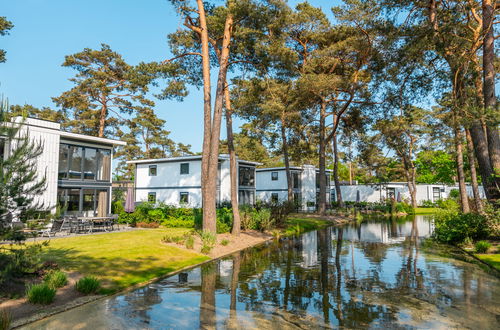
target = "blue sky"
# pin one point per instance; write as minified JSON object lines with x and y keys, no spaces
{"x":47,"y":30}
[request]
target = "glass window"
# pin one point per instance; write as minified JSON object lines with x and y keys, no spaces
{"x":436,"y":193}
{"x":88,"y":200}
{"x":63,"y":161}
{"x":152,"y":197}
{"x":75,"y":162}
{"x":246,"y":176}
{"x":152,"y":170}
{"x":274,"y":176}
{"x":104,"y":165}
{"x":2,"y":148}
{"x":90,"y":164}
{"x":102,"y":204}
{"x":295,"y":180}
{"x":73,"y":200}
{"x":184,"y":168}
{"x":184,"y":198}
{"x":274,"y":197}
{"x":391,"y":193}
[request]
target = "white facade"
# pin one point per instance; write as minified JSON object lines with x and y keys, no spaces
{"x":49,"y":135}
{"x":177,"y":181}
{"x":272,"y":185}
{"x":376,"y":193}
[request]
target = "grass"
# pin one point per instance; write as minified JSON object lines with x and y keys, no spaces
{"x":88,"y":285}
{"x":300,"y":225}
{"x":491,"y":259}
{"x":426,"y":210}
{"x":56,"y":279}
{"x":40,"y":294}
{"x":120,"y":260}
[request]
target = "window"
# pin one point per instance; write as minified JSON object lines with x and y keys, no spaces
{"x":246,"y":176}
{"x":295,"y":180}
{"x":184,"y":198}
{"x":152,"y":170}
{"x":185,"y":168}
{"x":152,"y":197}
{"x":104,"y":165}
{"x":88,"y":200}
{"x":274,"y":176}
{"x":90,"y":164}
{"x":246,"y":197}
{"x":75,"y":162}
{"x":391,"y":193}
{"x":436,"y":193}
{"x":2,"y":148}
{"x":274,"y":197}
{"x":63,"y":161}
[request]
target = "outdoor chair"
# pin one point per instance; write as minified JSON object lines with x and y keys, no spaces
{"x":51,"y":229}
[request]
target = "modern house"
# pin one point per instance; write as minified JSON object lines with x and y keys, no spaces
{"x":77,"y":167}
{"x":272,"y":185}
{"x":177,"y":181}
{"x":381,"y":192}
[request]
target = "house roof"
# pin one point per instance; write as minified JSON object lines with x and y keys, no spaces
{"x":83,"y":137}
{"x":293,"y":168}
{"x":186,"y":158}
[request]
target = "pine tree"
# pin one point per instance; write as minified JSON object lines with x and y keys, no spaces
{"x":20,"y":183}
{"x":5,"y":26}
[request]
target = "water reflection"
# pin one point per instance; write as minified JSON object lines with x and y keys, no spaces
{"x":373,"y":274}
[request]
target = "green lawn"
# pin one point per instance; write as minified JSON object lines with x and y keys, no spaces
{"x":301,"y":225}
{"x":426,"y":210}
{"x":491,"y":259}
{"x":121,"y":259}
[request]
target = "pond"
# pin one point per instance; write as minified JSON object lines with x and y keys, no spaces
{"x":369,"y":275}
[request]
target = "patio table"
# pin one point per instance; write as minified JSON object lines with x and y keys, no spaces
{"x":99,"y":222}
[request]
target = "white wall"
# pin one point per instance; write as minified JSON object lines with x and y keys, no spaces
{"x":171,"y":196}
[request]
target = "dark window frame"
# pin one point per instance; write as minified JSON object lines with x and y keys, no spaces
{"x":274,"y":176}
{"x":98,"y":162}
{"x":153,"y":167}
{"x":436,"y":191}
{"x":275,"y":197}
{"x":182,"y":195}
{"x":184,"y":168}
{"x":152,"y":194}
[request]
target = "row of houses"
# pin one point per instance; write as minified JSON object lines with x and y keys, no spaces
{"x":79,"y":168}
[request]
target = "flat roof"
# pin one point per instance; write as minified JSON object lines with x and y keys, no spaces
{"x":293,"y":168}
{"x":186,"y":158}
{"x":84,"y":137}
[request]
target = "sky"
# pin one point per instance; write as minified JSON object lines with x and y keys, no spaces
{"x":47,"y":30}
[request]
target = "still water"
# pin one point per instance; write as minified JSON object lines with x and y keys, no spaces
{"x":370,"y":275}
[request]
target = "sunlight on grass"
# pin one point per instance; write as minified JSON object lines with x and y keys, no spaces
{"x":426,"y":210}
{"x":121,"y":259}
{"x":491,"y":259}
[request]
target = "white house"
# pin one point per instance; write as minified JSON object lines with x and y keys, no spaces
{"x":77,"y":167}
{"x":272,"y":185}
{"x":380,"y":192}
{"x":177,"y":181}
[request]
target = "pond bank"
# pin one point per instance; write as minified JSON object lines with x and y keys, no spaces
{"x":126,"y":269}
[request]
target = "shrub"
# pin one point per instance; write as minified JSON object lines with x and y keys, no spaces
{"x":428,"y":203}
{"x":147,"y":225}
{"x":208,"y":241}
{"x":56,"y":279}
{"x":482,"y":246}
{"x":117,"y":207}
{"x":224,"y":242}
{"x":20,"y":259}
{"x":455,"y":228}
{"x":448,"y":204}
{"x":5,"y":320}
{"x":280,"y":213}
{"x":189,"y":242}
{"x":40,"y":294}
{"x":88,"y":285}
{"x":454,"y":193}
{"x":224,"y":220}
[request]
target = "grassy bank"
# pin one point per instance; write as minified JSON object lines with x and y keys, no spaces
{"x":426,"y":210}
{"x":491,"y":259}
{"x":297,"y":225}
{"x":122,"y":259}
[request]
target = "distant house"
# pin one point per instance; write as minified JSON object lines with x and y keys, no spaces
{"x":77,"y":167}
{"x":381,"y":192}
{"x":272,"y":185}
{"x":177,"y":181}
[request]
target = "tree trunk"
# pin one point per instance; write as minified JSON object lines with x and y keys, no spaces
{"x":213,"y":164}
{"x":464,"y":200}
{"x":287,"y":161}
{"x":233,"y":167}
{"x":233,"y":323}
{"x":338,"y":192}
{"x":473,"y":174}
{"x":102,"y":120}
{"x":490,"y":101}
{"x":483,"y":159}
{"x":322,"y":160}
{"x":207,"y":303}
{"x":207,"y":120}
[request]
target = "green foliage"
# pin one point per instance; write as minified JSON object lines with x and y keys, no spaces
{"x":258,"y":218}
{"x":189,"y":242}
{"x":40,"y":294}
{"x":454,"y":228}
{"x":117,"y":207}
{"x":5,"y":26}
{"x":435,"y":166}
{"x":88,"y":285}
{"x":454,"y":193}
{"x":448,"y":204}
{"x":428,"y":203}
{"x":208,"y":241}
{"x":482,"y":246}
{"x":224,"y":220}
{"x":56,"y":279}
{"x":5,"y":320}
{"x":20,"y":259}
{"x":224,"y":242}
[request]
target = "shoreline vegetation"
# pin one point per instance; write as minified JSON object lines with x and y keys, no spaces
{"x":118,"y":267}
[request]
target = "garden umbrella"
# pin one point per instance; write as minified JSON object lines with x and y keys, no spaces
{"x":399,"y":197}
{"x":358,"y":197}
{"x":129,"y":202}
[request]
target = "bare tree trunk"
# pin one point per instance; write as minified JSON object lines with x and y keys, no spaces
{"x":213,"y":164}
{"x":473,"y":174}
{"x":207,"y":303}
{"x":483,"y":159}
{"x":234,"y":287}
{"x":338,"y":192}
{"x":233,"y":169}
{"x":286,"y":157}
{"x":490,"y":101}
{"x":322,"y":160}
{"x":464,"y":200}
{"x":207,"y":122}
{"x":102,"y":120}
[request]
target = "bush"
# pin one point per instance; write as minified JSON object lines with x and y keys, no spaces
{"x":20,"y":259}
{"x":208,"y":241}
{"x":40,"y":294}
{"x":428,"y":203}
{"x":56,"y":279}
{"x":88,"y":285}
{"x":482,"y":246}
{"x":224,"y":242}
{"x":455,"y":228}
{"x":189,"y":242}
{"x":5,"y":320}
{"x":117,"y":207}
{"x":454,"y":193}
{"x":147,"y":225}
{"x":448,"y":204}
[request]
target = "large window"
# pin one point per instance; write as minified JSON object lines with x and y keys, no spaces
{"x":295,"y":180}
{"x":84,"y":202}
{"x":436,"y":193}
{"x":184,"y":168}
{"x":246,"y":176}
{"x":246,"y":197}
{"x":274,"y":176}
{"x":84,"y":163}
